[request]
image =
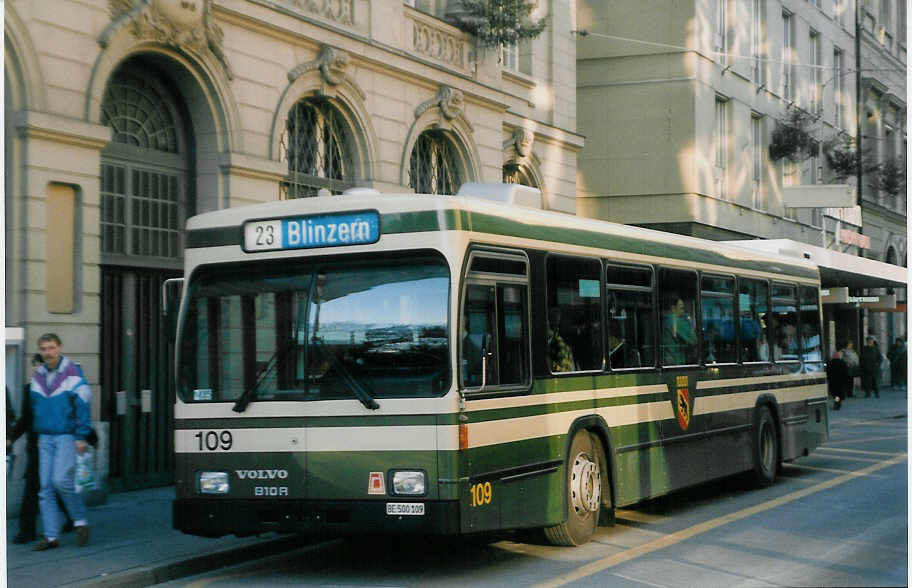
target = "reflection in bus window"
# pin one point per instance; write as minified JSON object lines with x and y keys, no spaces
{"x":574,"y":314}
{"x":296,"y":331}
{"x":495,"y":336}
{"x":718,"y":318}
{"x":753,"y":306}
{"x":810,"y":329}
{"x":784,"y":322}
{"x":679,"y":339}
{"x":631,"y":329}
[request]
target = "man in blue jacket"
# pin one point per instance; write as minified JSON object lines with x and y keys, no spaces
{"x":60,"y":416}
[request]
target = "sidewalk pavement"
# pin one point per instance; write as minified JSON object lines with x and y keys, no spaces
{"x":132,"y":542}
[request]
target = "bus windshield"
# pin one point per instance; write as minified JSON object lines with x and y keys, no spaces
{"x":305,"y":330}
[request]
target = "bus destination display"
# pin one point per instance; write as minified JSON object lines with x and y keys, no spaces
{"x":305,"y":232}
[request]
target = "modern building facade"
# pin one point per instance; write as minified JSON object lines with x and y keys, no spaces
{"x":884,"y":197}
{"x":125,"y":117}
{"x":684,"y":104}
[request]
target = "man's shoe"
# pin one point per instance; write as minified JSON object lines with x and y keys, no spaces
{"x":44,"y":544}
{"x":82,"y":535}
{"x":67,"y":526}
{"x":21,"y":538}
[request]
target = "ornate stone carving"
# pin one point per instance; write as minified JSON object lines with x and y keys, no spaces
{"x":449,"y":100}
{"x":187,"y":24}
{"x":333,"y":66}
{"x":522,"y":142}
{"x":437,"y":43}
{"x":339,"y":11}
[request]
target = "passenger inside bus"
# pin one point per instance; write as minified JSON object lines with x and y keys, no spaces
{"x":678,"y":337}
{"x":560,"y":355}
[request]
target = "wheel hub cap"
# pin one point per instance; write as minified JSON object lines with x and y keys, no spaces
{"x":585,"y":485}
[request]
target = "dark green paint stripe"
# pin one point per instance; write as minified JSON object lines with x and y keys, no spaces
{"x":456,"y":219}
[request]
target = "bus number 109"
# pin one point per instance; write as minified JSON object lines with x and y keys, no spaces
{"x":481,"y":494}
{"x":214,"y":440}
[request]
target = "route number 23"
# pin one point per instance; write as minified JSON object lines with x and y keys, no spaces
{"x":481,"y":494}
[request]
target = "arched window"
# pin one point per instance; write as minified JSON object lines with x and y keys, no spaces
{"x":514,"y":173}
{"x":315,"y":145}
{"x":143,"y":169}
{"x":433,"y":165}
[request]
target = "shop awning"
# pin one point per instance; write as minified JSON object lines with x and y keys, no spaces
{"x":836,"y":269}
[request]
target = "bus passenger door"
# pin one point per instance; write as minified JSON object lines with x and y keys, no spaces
{"x":494,"y":365}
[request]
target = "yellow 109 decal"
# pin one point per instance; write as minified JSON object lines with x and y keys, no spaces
{"x":481,"y":493}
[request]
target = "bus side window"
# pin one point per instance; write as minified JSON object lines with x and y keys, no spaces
{"x":678,"y":302}
{"x":477,"y":336}
{"x":574,"y":314}
{"x":495,"y":335}
{"x":753,"y":308}
{"x":718,"y":318}
{"x":631,"y":328}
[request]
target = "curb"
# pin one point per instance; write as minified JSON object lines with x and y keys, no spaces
{"x":183,"y":567}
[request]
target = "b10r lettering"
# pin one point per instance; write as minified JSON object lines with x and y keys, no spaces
{"x":270,"y":491}
{"x":214,"y":440}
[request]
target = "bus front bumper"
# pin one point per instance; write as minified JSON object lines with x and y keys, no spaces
{"x":216,"y":517}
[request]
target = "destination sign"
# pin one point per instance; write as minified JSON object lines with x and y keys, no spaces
{"x":307,"y":232}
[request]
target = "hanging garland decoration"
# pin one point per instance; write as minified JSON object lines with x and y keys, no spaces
{"x":498,"y":22}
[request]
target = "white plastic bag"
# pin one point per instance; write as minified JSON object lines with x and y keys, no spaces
{"x":85,"y":470}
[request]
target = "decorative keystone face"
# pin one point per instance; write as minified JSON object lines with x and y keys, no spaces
{"x":183,"y":14}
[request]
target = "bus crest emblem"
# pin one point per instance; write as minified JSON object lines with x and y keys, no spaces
{"x":682,"y":402}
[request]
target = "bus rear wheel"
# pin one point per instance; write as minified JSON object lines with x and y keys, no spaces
{"x":585,"y":484}
{"x":765,"y":447}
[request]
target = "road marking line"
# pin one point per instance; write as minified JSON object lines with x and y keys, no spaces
{"x":639,"y":517}
{"x":865,"y":440}
{"x":848,"y":458}
{"x":830,"y":470}
{"x":674,"y":538}
{"x":844,"y":450}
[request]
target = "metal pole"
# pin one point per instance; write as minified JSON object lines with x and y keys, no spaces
{"x":858,"y":104}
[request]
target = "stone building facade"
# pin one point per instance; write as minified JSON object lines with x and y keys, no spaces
{"x":125,"y":117}
{"x":681,"y":102}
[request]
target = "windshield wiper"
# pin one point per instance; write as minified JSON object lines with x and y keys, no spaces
{"x":359,"y":389}
{"x":240,"y":405}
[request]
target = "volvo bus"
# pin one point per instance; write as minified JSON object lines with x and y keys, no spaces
{"x":445,"y":365}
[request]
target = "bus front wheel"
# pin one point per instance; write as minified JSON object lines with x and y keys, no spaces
{"x":584,"y":486}
{"x":766,"y":447}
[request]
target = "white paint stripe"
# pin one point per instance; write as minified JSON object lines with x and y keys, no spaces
{"x":556,"y":397}
{"x":722,"y":402}
{"x":534,"y":427}
{"x":299,"y":439}
{"x":708,"y":384}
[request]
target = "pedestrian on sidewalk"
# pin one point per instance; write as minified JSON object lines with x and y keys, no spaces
{"x":28,"y":513}
{"x":870,"y":368}
{"x":851,"y":358}
{"x":897,"y":357}
{"x":838,"y":379}
{"x":60,"y":416}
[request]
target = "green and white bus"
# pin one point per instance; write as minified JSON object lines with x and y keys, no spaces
{"x":371,"y":363}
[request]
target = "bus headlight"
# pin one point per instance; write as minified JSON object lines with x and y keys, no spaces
{"x":212,"y":482}
{"x":409,"y":483}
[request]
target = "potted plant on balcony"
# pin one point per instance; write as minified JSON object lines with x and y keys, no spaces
{"x":792,"y":138}
{"x":496,"y":22}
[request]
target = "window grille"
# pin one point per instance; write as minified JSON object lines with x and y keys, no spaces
{"x":142,"y":173}
{"x":433,"y":167}
{"x":138,"y":114}
{"x":314,"y":147}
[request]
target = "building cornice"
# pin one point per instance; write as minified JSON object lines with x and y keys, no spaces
{"x":61,"y":129}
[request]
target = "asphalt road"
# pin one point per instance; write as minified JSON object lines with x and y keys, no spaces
{"x":836,"y":518}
